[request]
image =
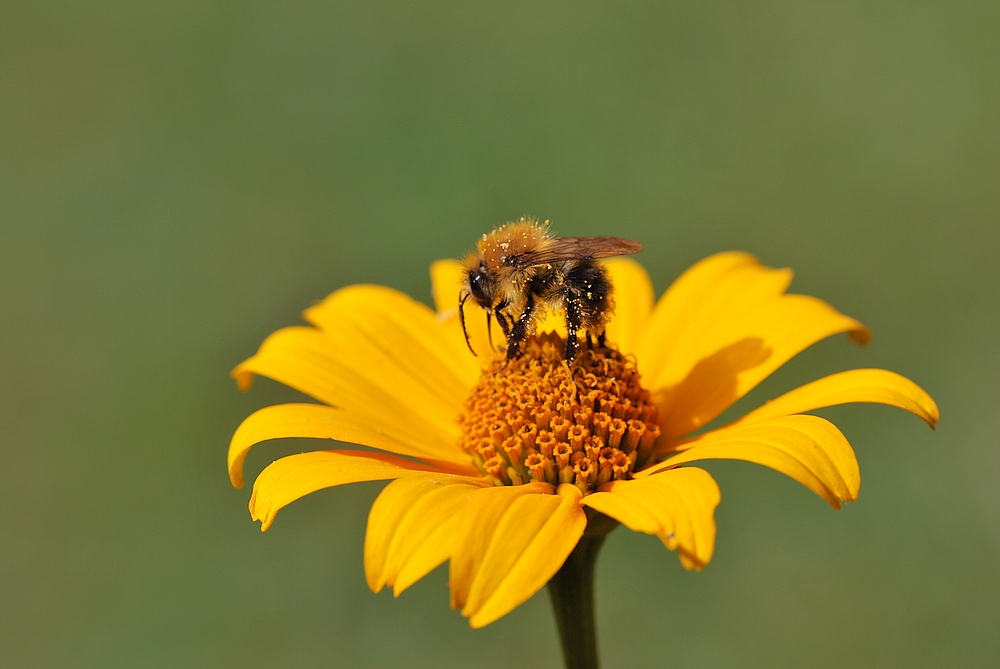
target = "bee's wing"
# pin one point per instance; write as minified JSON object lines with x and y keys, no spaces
{"x":575,"y":248}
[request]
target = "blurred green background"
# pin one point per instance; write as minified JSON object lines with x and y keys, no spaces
{"x":177,"y":180}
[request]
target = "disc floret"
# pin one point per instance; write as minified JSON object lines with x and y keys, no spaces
{"x":538,"y":417}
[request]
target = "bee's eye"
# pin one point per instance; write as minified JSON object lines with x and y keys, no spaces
{"x":476,"y":287}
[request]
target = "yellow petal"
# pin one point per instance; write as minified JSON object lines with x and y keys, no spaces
{"x":678,"y":505}
{"x":380,"y":326}
{"x":809,"y":449}
{"x":633,"y":295}
{"x":682,"y":299}
{"x":404,"y":516}
{"x":723,"y":327}
{"x":425,"y":535}
{"x":623,"y":508}
{"x":476,"y":527}
{"x":446,"y":283}
{"x":878,"y":386}
{"x":446,"y":279}
{"x":301,"y":357}
{"x":286,"y":480}
{"x":437,"y":548}
{"x":530,"y":544}
{"x":323,"y":422}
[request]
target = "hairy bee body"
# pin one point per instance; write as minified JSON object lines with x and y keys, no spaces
{"x":519,"y":271}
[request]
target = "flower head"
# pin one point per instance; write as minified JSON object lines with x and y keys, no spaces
{"x":499,"y":469}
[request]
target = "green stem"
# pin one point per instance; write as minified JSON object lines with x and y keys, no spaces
{"x":572,"y":593}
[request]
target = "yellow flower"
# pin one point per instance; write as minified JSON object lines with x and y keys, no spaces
{"x":498,"y":470}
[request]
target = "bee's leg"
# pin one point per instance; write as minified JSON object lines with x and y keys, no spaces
{"x":519,"y":332}
{"x":601,"y":339}
{"x":574,"y":317}
{"x":502,"y":321}
{"x":502,"y":318}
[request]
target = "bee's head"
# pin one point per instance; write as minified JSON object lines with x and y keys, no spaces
{"x":480,"y":286}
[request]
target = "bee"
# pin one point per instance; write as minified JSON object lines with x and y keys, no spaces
{"x":519,"y":270}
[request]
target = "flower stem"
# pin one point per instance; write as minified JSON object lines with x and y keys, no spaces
{"x":572,"y":594}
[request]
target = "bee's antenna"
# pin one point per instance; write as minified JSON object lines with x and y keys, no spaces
{"x":461,"y":316}
{"x":489,"y":327}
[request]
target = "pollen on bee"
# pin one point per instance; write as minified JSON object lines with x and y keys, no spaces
{"x":539,"y":418}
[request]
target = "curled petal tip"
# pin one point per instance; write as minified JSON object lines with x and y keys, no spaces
{"x":242,"y":376}
{"x":861,"y":336}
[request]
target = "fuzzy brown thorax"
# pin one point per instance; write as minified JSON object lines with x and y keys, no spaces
{"x":511,"y":240}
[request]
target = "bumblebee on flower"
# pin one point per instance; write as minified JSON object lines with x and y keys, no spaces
{"x":506,"y":466}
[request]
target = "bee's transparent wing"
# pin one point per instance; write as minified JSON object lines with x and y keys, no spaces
{"x":575,"y":248}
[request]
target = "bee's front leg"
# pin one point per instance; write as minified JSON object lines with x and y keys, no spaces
{"x":519,"y":332}
{"x":502,"y":318}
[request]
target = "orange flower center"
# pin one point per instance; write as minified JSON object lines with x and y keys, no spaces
{"x":539,"y":418}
